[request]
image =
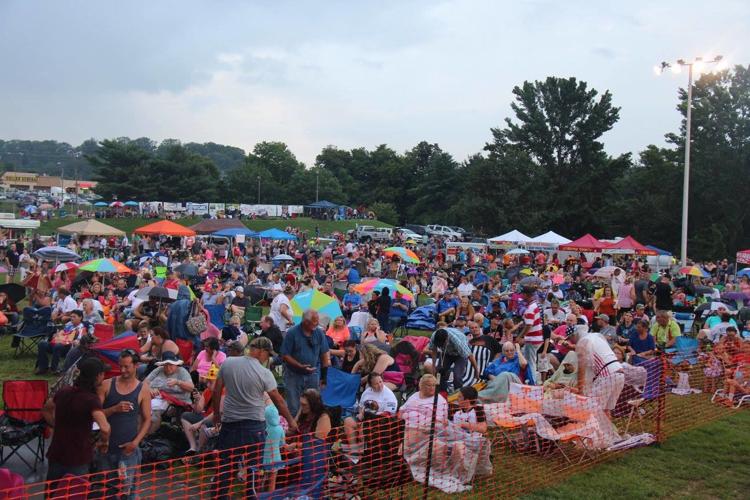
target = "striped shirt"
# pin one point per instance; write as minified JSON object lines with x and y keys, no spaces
{"x":532,"y":318}
{"x":456,"y":345}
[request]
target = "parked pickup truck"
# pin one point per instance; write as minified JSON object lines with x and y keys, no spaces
{"x":371,"y":233}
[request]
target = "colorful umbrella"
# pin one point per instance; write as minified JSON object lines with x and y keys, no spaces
{"x":131,"y":203}
{"x":66,"y":266}
{"x":403,"y":253}
{"x":693,"y":271}
{"x":317,"y":301}
{"x":109,"y":350}
{"x":104,"y":266}
{"x":100,"y":204}
{"x":378,"y":284}
{"x":744,"y":272}
{"x":116,"y":204}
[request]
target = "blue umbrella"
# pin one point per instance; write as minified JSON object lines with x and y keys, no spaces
{"x":744,"y":272}
{"x":276,"y":234}
{"x":60,"y":254}
{"x":30,"y":208}
{"x":101,"y":204}
{"x":131,"y":203}
{"x":233,"y":232}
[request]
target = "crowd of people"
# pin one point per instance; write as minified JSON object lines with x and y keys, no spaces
{"x":561,"y":321}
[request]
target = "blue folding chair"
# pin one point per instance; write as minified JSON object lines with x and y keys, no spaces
{"x":341,"y":390}
{"x":216,"y":315}
{"x":354,"y":333}
{"x":314,"y":472}
{"x":685,"y":349}
{"x":650,"y":393}
{"x":685,"y":320}
{"x":37,"y":326}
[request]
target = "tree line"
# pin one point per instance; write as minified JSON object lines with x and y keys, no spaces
{"x":544,"y":168}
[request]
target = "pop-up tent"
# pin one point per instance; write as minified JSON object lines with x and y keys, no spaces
{"x":585,"y":243}
{"x":166,"y":227}
{"x":547,"y":241}
{"x":276,"y":234}
{"x":509,"y":239}
{"x":629,"y":245}
{"x":743,"y":257}
{"x":90,"y":227}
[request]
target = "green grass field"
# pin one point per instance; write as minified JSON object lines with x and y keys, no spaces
{"x":128,"y":224}
{"x":711,"y":461}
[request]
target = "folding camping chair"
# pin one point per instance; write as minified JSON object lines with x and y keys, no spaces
{"x":685,"y":350}
{"x":509,"y":427}
{"x":572,"y":433}
{"x":341,"y":390}
{"x":37,"y":326}
{"x":21,"y":422}
{"x":314,"y":472}
{"x":253,"y":315}
{"x":216,"y":314}
{"x":686,"y":321}
{"x":649,"y":394}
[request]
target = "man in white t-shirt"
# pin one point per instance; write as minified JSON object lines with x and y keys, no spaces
{"x":465,"y":288}
{"x":281,"y":309}
{"x":600,"y":375}
{"x":64,"y":306}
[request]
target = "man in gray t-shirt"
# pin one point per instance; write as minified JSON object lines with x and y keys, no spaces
{"x":243,"y":414}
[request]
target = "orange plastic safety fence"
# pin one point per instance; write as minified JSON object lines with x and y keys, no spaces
{"x":517,"y":439}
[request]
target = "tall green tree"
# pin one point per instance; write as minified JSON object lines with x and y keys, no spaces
{"x":123,"y":171}
{"x":558,"y":125}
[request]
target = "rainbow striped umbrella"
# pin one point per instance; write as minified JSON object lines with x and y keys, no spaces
{"x":105,"y":266}
{"x":379,"y":283}
{"x":317,"y":301}
{"x":403,"y":253}
{"x":694,"y":271}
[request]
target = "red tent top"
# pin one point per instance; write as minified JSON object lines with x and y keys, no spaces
{"x":585,"y":243}
{"x":165,"y":227}
{"x":743,"y":256}
{"x":630,"y":243}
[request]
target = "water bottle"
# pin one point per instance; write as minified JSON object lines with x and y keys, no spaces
{"x":122,"y":472}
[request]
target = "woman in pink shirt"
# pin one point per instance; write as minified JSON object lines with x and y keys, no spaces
{"x":210,"y":355}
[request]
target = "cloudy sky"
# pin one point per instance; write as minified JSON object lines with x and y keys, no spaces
{"x":341,"y":72}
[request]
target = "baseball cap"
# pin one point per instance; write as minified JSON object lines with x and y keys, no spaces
{"x":169,"y":358}
{"x":605,"y":317}
{"x":239,"y":289}
{"x":263,"y":343}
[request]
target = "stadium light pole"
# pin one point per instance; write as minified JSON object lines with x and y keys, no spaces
{"x":698,"y":64}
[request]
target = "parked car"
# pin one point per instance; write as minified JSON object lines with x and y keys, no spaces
{"x":371,"y":233}
{"x":443,"y":232}
{"x":411,"y":235}
{"x":422,"y":230}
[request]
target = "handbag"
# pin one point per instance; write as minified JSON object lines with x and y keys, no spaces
{"x":196,"y":323}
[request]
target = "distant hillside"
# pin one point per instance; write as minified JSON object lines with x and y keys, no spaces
{"x":51,"y":157}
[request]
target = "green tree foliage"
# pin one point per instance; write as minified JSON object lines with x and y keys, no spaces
{"x":385,"y":212}
{"x":124,"y":170}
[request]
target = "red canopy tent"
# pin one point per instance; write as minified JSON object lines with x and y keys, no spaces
{"x":585,"y":243}
{"x":166,"y":227}
{"x":743,"y":256}
{"x":630,"y":245}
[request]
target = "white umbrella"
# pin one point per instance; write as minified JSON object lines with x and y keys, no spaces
{"x":283,"y":256}
{"x":606,"y":271}
{"x":517,"y":251}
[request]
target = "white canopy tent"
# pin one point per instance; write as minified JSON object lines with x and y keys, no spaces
{"x":510,"y":239}
{"x":547,"y":241}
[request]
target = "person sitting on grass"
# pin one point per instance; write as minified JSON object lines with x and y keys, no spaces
{"x":738,"y":384}
{"x":376,"y":392}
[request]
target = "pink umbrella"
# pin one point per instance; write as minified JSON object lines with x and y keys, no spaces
{"x":66,"y":266}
